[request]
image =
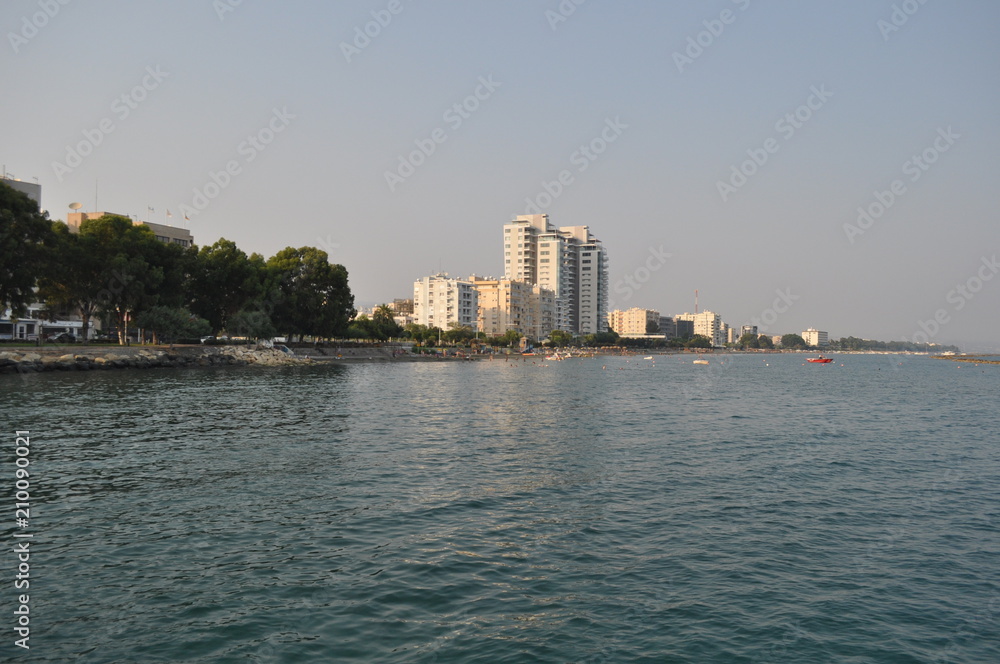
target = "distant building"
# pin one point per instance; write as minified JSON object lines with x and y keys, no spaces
{"x":815,"y":337}
{"x":30,"y":189}
{"x":683,"y":328}
{"x":634,"y":321}
{"x":439,"y":300}
{"x":708,"y":324}
{"x":568,"y":261}
{"x":35,"y":322}
{"x":401,"y":306}
{"x":668,"y":327}
{"x":748,"y":329}
{"x":165,"y":234}
{"x":510,"y":304}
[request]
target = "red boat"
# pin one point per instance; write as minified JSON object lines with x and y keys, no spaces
{"x":820,"y":359}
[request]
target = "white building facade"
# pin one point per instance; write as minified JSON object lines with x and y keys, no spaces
{"x":508,"y":304}
{"x":569,"y":261}
{"x":708,"y":324}
{"x":633,"y":321}
{"x":816,"y":338}
{"x":439,"y":301}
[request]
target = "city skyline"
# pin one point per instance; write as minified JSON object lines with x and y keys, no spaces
{"x":835,"y":160}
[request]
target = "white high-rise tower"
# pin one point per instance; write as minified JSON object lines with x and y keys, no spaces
{"x":567,"y":260}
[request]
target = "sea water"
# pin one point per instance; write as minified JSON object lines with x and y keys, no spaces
{"x":608,"y":509}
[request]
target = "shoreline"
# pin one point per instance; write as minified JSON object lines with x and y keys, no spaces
{"x":31,"y":359}
{"x":99,"y":358}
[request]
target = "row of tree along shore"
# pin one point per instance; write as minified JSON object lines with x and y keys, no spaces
{"x":120,"y":273}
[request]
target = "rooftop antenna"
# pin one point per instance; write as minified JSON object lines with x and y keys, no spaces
{"x":696,"y":300}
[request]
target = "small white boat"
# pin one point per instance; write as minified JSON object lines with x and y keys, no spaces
{"x":648,"y":357}
{"x":700,"y":360}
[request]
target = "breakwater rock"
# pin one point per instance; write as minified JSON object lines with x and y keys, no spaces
{"x":93,"y":359}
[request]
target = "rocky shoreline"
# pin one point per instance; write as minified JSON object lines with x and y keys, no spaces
{"x":24,"y":361}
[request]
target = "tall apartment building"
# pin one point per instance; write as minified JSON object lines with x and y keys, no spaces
{"x":815,"y":337}
{"x":634,"y":321}
{"x":708,"y":324}
{"x":508,"y":304}
{"x":568,"y":261}
{"x":439,"y":301}
{"x":163,"y":233}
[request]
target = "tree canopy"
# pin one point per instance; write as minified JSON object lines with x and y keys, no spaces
{"x":119,"y":271}
{"x":25,"y":235}
{"x":310,"y":295}
{"x":793,"y":341}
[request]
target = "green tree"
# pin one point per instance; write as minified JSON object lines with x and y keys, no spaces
{"x":601,"y":338}
{"x":251,"y":323}
{"x":169,"y":324}
{"x":224,"y":280}
{"x":122,"y":268}
{"x":75,"y":277}
{"x":25,"y":241}
{"x":698,"y":341}
{"x":459,"y":333}
{"x":510,"y":338}
{"x":652,"y":327}
{"x":311,"y":296}
{"x":764,"y":341}
{"x":792,"y":341}
{"x":748,"y":340}
{"x":384,"y":323}
{"x":417,"y":332}
{"x":560,"y":338}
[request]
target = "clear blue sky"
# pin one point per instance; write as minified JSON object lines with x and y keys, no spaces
{"x":886,"y":95}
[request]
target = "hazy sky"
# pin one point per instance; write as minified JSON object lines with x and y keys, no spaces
{"x":738,"y":137}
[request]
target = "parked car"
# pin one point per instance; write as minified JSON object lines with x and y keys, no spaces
{"x":207,"y":340}
{"x":63,"y":338}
